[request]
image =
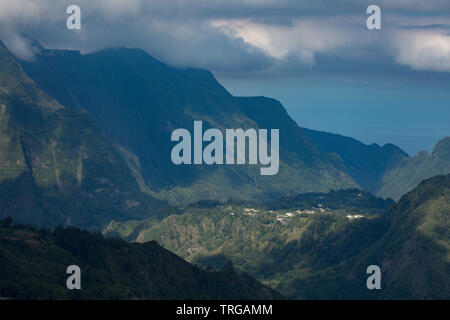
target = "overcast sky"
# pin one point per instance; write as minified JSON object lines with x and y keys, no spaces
{"x":268,"y":46}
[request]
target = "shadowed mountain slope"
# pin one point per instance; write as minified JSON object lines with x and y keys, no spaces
{"x":138,"y":101}
{"x":56,"y":166}
{"x":409,"y":172}
{"x":33,"y":264}
{"x":413,"y":252}
{"x":365,"y":163}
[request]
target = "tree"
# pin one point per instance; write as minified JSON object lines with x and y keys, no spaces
{"x":7,"y":222}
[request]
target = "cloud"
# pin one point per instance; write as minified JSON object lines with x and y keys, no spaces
{"x":238,"y":35}
{"x":423,"y":50}
{"x":302,"y":38}
{"x":419,"y":6}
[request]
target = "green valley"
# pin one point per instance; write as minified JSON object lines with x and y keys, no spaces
{"x":85,"y":142}
{"x":33,"y":265}
{"x":307,"y":249}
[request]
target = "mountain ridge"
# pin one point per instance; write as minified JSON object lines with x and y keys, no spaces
{"x":308,"y":253}
{"x":56,"y":167}
{"x":366,"y":163}
{"x":409,"y":172}
{"x":34,"y":261}
{"x":138,"y":101}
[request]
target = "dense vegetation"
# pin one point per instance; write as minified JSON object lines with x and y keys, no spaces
{"x":350,"y":200}
{"x":308,"y":253}
{"x":33,"y":265}
{"x":98,"y":156}
{"x":267,"y":241}
{"x":56,"y":166}
{"x":138,"y":102}
{"x":101,"y":150}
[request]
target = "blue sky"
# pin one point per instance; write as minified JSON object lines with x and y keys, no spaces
{"x":317,"y":57}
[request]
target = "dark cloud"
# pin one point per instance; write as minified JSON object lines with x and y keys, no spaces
{"x":241,"y":36}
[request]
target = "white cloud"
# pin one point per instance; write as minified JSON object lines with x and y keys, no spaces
{"x":238,"y":35}
{"x":19,"y":46}
{"x":422,"y":50}
{"x":302,"y":38}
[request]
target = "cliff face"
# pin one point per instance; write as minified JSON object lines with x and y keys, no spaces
{"x":56,"y":166}
{"x":409,"y":172}
{"x":138,"y":102}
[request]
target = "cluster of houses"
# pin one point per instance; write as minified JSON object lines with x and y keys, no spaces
{"x":250,"y":211}
{"x":310,"y":211}
{"x":354,"y":216}
{"x":247,"y":211}
{"x":285,"y":217}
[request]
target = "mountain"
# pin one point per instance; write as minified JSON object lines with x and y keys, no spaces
{"x":306,"y":249}
{"x":269,"y":242}
{"x":351,"y":200}
{"x":34,"y":263}
{"x":415,"y":251}
{"x":409,"y":172}
{"x":138,"y":101}
{"x":85,"y":141}
{"x":386,"y":171}
{"x":411,"y":247}
{"x":367,"y":164}
{"x":56,"y":166}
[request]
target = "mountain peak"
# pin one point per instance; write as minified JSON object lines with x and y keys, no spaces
{"x":389,"y":147}
{"x":12,"y":76}
{"x":58,"y":52}
{"x":49,"y":151}
{"x":442,"y":148}
{"x":138,"y":101}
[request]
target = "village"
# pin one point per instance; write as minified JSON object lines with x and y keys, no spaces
{"x":285,"y":217}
